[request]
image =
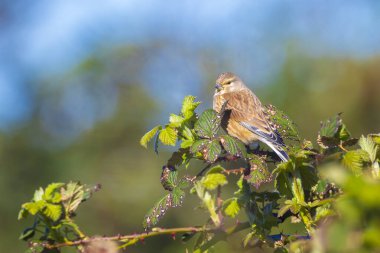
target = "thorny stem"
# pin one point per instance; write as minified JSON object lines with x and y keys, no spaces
{"x":134,"y":238}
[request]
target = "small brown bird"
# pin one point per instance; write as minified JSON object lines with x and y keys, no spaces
{"x":245,"y":117}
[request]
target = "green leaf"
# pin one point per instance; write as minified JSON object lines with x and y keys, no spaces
{"x":328,"y":136}
{"x":157,"y":211}
{"x":282,"y":184}
{"x":169,"y":178}
{"x":297,"y":190}
{"x":52,"y":211}
{"x":368,"y":145}
{"x":187,"y":133}
{"x":308,"y":175}
{"x":175,"y":120}
{"x":344,"y":134}
{"x":248,"y":238}
{"x":172,"y":199}
{"x":178,"y":157}
{"x":231,"y":207}
{"x":211,"y":181}
{"x":198,"y":146}
{"x":216,"y":169}
{"x":33,"y":207}
{"x":375,"y":138}
{"x":52,"y":194}
{"x":212,"y":151}
{"x":22,"y":214}
{"x":177,"y":196}
{"x":354,"y":160}
{"x":330,"y":127}
{"x":38,"y":194}
{"x":259,"y":173}
{"x":283,"y":210}
{"x":72,"y":196}
{"x":282,"y":123}
{"x":187,"y":143}
{"x":188,"y":106}
{"x":27,"y":234}
{"x":208,"y":124}
{"x":149,"y":136}
{"x":233,"y":146}
{"x":168,"y":136}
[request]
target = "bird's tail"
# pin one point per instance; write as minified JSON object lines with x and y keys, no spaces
{"x":278,"y":149}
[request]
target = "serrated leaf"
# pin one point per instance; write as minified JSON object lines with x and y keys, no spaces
{"x":52,"y":194}
{"x":172,"y":199}
{"x":233,"y":146}
{"x":33,"y":207}
{"x":327,"y":136}
{"x":282,"y":123}
{"x":212,"y":181}
{"x":198,"y":146}
{"x":368,"y":145}
{"x":175,"y":120}
{"x":330,"y":127}
{"x":186,"y":132}
{"x":354,"y":160}
{"x":168,"y":136}
{"x":259,"y":174}
{"x":323,"y":212}
{"x":157,"y":211}
{"x":149,"y":136}
{"x":169,"y":178}
{"x":188,"y":106}
{"x":52,"y":211}
{"x":177,"y":196}
{"x":72,"y":196}
{"x":232,"y":207}
{"x":212,"y":150}
{"x":208,"y":124}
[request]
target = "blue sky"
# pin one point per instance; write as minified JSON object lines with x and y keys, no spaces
{"x":49,"y":37}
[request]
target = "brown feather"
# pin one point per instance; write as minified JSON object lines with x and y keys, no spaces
{"x":244,"y":106}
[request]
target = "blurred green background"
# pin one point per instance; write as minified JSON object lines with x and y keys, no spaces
{"x":81,"y":82}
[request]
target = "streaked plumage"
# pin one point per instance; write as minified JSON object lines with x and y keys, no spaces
{"x":245,"y":117}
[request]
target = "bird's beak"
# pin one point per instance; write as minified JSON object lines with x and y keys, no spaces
{"x":218,"y":86}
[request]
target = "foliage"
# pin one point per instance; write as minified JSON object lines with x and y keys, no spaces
{"x":53,"y":209}
{"x":326,"y":192}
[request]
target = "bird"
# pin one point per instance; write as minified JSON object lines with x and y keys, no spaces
{"x":244,"y":116}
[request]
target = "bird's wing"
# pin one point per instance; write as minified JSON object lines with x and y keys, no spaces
{"x":246,"y":109}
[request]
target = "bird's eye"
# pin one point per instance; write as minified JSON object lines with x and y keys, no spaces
{"x":228,"y":83}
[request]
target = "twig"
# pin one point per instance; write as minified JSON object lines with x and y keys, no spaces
{"x":124,"y":238}
{"x":134,"y":238}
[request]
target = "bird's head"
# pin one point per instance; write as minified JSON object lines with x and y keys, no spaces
{"x":228,"y":82}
